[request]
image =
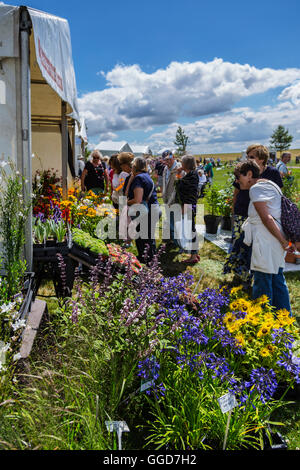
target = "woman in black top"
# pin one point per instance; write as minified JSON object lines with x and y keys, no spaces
{"x":187,"y":195}
{"x":94,"y":176}
{"x":239,"y":257}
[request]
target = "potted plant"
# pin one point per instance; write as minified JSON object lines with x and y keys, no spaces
{"x":213,"y":218}
{"x":225,"y":205}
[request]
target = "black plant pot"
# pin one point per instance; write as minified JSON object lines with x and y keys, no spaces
{"x":212,"y":223}
{"x":277,"y":441}
{"x":50,"y":242}
{"x":226,"y":223}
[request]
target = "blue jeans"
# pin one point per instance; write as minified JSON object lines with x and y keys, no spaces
{"x":274,"y":287}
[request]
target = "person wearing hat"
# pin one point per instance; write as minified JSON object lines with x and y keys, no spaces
{"x":168,"y":190}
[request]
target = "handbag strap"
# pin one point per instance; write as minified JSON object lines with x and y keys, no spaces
{"x":147,"y":200}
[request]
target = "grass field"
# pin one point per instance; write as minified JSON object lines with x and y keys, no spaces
{"x":226,"y":157}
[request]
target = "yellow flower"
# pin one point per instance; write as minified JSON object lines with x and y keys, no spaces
{"x":253,"y":319}
{"x":243,"y":305}
{"x":264,"y":331}
{"x":262,"y":300}
{"x":264,"y":352}
{"x":234,"y":290}
{"x":240,"y":339}
{"x":271,"y":348}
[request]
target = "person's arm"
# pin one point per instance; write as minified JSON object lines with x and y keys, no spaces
{"x":236,"y":192}
{"x":106,"y":177}
{"x":138,"y":196}
{"x":84,"y":173}
{"x":269,"y":222}
{"x":132,"y":176}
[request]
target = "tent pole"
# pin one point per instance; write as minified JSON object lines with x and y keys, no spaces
{"x":64,"y":148}
{"x":25,"y":28}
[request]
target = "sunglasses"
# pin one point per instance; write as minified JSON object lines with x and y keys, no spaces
{"x":251,"y":157}
{"x":96,"y":158}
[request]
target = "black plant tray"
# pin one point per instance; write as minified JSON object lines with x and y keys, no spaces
{"x":47,"y":253}
{"x":84,"y":254}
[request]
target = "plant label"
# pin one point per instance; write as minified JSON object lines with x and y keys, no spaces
{"x":147,"y":385}
{"x":227,"y":402}
{"x":116,"y":426}
{"x":119,"y":427}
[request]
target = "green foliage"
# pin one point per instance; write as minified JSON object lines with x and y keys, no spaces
{"x":181,"y":141}
{"x":281,"y":139}
{"x":188,"y":417}
{"x":13,"y":213}
{"x":212,"y":199}
{"x":290,"y":188}
{"x":85,"y":240}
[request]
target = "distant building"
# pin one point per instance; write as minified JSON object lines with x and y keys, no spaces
{"x":141,"y":150}
{"x":109,"y":148}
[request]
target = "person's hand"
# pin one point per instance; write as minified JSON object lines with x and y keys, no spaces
{"x":288,"y":246}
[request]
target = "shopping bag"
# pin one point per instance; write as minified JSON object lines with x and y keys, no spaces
{"x":184,"y":233}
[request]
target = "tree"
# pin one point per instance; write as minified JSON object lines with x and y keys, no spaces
{"x":281,"y":139}
{"x":181,"y":141}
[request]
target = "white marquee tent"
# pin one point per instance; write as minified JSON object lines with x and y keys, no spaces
{"x":38,"y":95}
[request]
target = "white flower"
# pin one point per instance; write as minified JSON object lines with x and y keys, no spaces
{"x":4,"y":348}
{"x":3,"y":164}
{"x":17,"y":357}
{"x":5,"y":308}
{"x":18,"y":325}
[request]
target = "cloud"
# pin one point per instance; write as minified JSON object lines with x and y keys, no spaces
{"x":233,"y":130}
{"x":136,"y":100}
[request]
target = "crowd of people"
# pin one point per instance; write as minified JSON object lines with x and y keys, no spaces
{"x":258,"y":248}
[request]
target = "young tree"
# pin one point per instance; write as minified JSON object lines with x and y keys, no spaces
{"x":181,"y":141}
{"x":281,"y":139}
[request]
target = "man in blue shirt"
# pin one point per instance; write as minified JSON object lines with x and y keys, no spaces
{"x":282,"y":164}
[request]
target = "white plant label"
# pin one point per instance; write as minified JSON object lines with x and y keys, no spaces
{"x":227,"y":402}
{"x":119,"y":427}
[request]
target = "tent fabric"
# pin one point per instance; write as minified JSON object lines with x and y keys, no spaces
{"x":52,"y":46}
{"x":9,"y":31}
{"x":55,"y":63}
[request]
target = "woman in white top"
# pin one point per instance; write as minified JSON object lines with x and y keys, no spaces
{"x":118,"y":180}
{"x":263,"y":231}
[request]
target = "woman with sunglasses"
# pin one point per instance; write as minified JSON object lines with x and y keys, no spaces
{"x":94,"y":176}
{"x":238,"y":259}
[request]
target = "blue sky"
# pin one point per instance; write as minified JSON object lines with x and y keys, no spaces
{"x":227,"y":71}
